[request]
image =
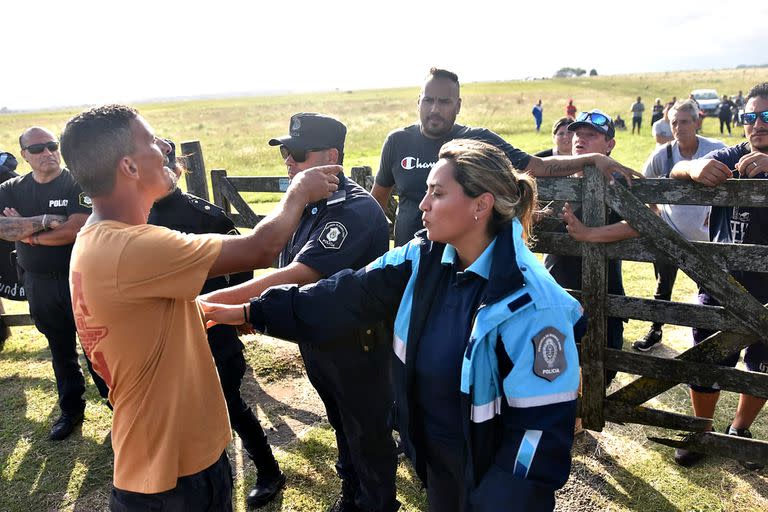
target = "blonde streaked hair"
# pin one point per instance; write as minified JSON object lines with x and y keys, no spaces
{"x":479,"y":168}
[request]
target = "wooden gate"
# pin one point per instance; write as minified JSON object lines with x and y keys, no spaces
{"x":740,"y":320}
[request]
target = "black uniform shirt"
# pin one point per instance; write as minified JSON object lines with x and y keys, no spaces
{"x":61,"y":196}
{"x":348,"y":230}
{"x":190,"y":214}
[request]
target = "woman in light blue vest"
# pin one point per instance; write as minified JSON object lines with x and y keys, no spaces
{"x":485,"y":364}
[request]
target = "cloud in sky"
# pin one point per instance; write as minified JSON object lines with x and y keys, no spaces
{"x":83,"y":51}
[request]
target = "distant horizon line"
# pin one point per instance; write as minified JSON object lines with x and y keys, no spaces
{"x":279,"y":92}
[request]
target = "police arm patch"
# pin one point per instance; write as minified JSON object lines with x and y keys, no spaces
{"x":85,"y":201}
{"x":333,"y":235}
{"x":549,"y":354}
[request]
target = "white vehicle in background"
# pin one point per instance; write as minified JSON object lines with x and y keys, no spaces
{"x":708,"y":101}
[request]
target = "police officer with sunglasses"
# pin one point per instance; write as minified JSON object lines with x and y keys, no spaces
{"x":348,"y":230}
{"x":47,"y":209}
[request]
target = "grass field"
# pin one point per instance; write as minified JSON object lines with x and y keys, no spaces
{"x":617,"y":469}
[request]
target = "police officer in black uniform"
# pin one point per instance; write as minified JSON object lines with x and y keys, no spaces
{"x":348,"y":230}
{"x":43,"y":256}
{"x":190,"y":214}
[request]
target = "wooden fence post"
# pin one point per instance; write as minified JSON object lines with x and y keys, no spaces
{"x":363,"y":176}
{"x":594,"y":272}
{"x":193,"y":158}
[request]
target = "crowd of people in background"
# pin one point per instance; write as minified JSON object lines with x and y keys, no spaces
{"x":458,"y":336}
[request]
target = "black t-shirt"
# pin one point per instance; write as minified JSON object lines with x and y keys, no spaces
{"x":190,"y":214}
{"x":740,"y":224}
{"x":408,"y":156}
{"x":61,"y":196}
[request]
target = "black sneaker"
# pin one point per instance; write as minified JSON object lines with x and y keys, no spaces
{"x":266,"y":489}
{"x":649,"y":341}
{"x":687,"y":458}
{"x":64,"y":426}
{"x":744,"y":432}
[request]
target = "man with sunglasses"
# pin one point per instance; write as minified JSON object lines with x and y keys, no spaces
{"x":748,"y":225}
{"x":48,"y":209}
{"x":348,"y":230}
{"x":593,"y":132}
{"x":409,"y":153}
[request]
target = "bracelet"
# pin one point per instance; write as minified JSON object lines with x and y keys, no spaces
{"x":44,"y":226}
{"x":245,"y":313}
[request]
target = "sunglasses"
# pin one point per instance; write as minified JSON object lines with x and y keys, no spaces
{"x":751,"y":117}
{"x":298,"y":155}
{"x":36,"y":149}
{"x":595,"y":118}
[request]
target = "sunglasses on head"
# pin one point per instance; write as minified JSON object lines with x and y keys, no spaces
{"x":751,"y":117}
{"x":595,"y":118}
{"x":36,"y":149}
{"x":298,"y":155}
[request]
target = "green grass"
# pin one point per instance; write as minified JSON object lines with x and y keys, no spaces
{"x":617,"y":469}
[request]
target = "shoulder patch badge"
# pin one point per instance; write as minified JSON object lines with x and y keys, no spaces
{"x":85,"y":201}
{"x":333,"y":235}
{"x":549,"y":355}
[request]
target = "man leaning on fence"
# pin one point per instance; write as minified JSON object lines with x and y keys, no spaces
{"x":44,"y":210}
{"x":691,"y":221}
{"x":735,"y":224}
{"x":133,"y":292}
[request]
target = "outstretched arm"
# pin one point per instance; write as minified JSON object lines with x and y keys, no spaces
{"x":260,"y":248}
{"x":295,"y":273}
{"x":555,"y":166}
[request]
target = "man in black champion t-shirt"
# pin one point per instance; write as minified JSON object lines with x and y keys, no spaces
{"x":409,"y":153}
{"x":43,"y":211}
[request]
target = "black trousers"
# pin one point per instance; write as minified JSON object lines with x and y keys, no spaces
{"x":50,"y":306}
{"x":446,"y":488}
{"x":209,"y":490}
{"x":243,"y":420}
{"x":725,"y":121}
{"x":355,"y":387}
{"x":666,"y":275}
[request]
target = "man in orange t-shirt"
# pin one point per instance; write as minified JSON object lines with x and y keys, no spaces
{"x":133,"y":295}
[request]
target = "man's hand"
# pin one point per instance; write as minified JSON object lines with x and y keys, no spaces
{"x":608,"y":166}
{"x":317,"y":183}
{"x":577,"y":229}
{"x":752,"y":164}
{"x":229,"y":314}
{"x":709,"y":172}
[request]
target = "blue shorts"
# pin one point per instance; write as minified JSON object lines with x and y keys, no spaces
{"x":755,"y":355}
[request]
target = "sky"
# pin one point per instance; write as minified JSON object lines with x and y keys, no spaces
{"x":82,"y":52}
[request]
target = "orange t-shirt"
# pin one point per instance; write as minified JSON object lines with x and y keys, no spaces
{"x":133,"y":295}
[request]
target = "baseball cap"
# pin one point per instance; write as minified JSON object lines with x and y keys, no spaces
{"x":596,"y":120}
{"x":8,"y":162}
{"x":308,"y":130}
